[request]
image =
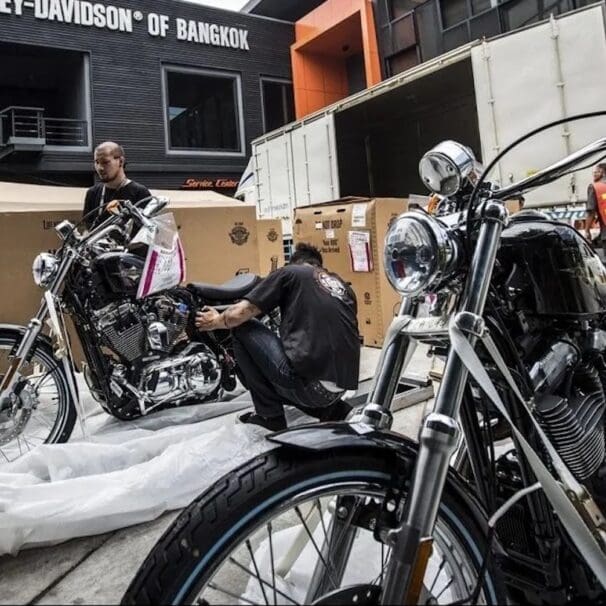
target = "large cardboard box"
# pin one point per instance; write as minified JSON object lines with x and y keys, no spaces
{"x":271,"y":245}
{"x":351,"y":234}
{"x":219,"y":237}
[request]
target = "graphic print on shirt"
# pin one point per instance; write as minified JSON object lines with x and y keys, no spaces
{"x":332,"y":285}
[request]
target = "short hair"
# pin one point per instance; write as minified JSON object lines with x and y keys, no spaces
{"x":602,"y":167}
{"x":115,"y":149}
{"x":306,"y":253}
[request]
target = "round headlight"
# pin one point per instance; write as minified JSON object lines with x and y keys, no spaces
{"x":444,"y":168}
{"x":44,"y":269}
{"x":419,"y":251}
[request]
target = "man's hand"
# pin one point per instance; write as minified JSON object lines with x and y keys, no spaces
{"x":113,"y":207}
{"x":209,"y":319}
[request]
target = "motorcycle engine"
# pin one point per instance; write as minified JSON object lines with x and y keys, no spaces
{"x":134,"y":331}
{"x":158,"y":363}
{"x":570,"y":405}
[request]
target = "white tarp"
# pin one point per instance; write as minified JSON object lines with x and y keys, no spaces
{"x":125,"y":474}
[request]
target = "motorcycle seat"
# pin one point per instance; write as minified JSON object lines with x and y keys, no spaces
{"x":236,"y":288}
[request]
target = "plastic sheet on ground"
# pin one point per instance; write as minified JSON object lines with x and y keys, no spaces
{"x":123,"y":474}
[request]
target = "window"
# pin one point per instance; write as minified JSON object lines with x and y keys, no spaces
{"x":402,"y":61}
{"x":399,"y":8}
{"x":278,"y":103}
{"x":479,"y":6}
{"x":203,"y":111}
{"x":453,"y":12}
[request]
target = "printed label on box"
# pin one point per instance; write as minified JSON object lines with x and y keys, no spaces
{"x":358,"y":215}
{"x":360,"y":251}
{"x":330,"y":234}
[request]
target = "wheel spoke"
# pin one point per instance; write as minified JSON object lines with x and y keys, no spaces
{"x":440,"y":568}
{"x":261,"y":581}
{"x":254,"y":561}
{"x":322,"y":558}
{"x":271,"y":557}
{"x":215,"y":587}
{"x":445,"y":587}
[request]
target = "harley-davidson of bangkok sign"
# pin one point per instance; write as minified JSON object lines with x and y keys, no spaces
{"x":114,"y":18}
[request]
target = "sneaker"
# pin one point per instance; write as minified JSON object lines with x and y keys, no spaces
{"x":273,"y":423}
{"x":338,"y":411}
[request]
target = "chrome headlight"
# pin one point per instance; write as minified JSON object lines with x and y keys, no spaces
{"x":419,"y":252}
{"x":44,"y":269}
{"x":445,"y":167}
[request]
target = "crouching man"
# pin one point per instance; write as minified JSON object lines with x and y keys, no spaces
{"x":317,"y":356}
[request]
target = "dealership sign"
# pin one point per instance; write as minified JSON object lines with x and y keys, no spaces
{"x":205,"y":183}
{"x":114,"y":18}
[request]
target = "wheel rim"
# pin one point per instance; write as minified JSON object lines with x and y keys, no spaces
{"x":284,"y":560}
{"x":35,"y":417}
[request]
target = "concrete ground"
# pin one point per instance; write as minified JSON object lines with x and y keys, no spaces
{"x":97,"y":570}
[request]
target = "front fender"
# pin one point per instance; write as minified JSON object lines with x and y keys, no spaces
{"x":18,"y":331}
{"x":334,"y":436}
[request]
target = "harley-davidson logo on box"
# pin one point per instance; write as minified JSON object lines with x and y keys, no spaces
{"x":239,"y":235}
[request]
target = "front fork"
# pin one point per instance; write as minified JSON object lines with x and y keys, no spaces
{"x":440,"y":433}
{"x":25,"y":349}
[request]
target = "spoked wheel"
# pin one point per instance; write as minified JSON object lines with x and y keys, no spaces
{"x":288,"y":528}
{"x":41,"y":412}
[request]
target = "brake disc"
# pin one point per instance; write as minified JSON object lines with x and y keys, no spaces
{"x":18,"y":415}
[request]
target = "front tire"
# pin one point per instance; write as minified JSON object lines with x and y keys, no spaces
{"x":200,"y":558}
{"x":45,"y":412}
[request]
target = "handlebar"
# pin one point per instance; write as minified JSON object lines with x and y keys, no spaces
{"x":553,"y":172}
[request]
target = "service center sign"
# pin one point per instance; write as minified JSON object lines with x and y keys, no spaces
{"x":107,"y":16}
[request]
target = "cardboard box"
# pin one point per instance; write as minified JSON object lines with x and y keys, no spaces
{"x":271,"y":245}
{"x":219,"y":237}
{"x":350,"y":234}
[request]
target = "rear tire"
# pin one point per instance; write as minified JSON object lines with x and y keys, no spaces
{"x":209,"y":531}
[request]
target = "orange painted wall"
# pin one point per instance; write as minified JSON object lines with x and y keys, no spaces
{"x":319,"y":66}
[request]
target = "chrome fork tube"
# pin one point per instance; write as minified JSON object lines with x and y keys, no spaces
{"x":34,"y":328}
{"x":440,"y":432}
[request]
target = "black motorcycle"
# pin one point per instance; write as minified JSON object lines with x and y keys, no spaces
{"x":354,"y":513}
{"x":143,"y":354}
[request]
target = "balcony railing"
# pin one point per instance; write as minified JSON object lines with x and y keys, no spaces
{"x":29,"y":125}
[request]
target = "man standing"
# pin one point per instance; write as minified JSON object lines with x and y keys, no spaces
{"x":317,"y":356}
{"x":110,"y":162}
{"x":596,"y":204}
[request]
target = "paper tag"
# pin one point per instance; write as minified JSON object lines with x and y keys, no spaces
{"x":319,"y":226}
{"x":330,"y":234}
{"x":360,"y":252}
{"x":358,"y":215}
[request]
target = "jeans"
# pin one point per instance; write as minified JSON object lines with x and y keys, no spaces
{"x":267,"y":373}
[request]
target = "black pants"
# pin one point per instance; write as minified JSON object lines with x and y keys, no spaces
{"x":267,"y":373}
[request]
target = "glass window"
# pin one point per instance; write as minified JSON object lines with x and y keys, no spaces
{"x":453,"y":12}
{"x":203,"y":111}
{"x":479,"y":6}
{"x":521,"y":13}
{"x":278,"y":104}
{"x":399,"y":8}
{"x":402,"y":61}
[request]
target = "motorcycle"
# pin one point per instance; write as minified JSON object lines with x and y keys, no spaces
{"x":501,"y":498}
{"x":134,"y":322}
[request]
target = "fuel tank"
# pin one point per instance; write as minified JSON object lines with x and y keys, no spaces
{"x":121,"y":272}
{"x":562,"y":275}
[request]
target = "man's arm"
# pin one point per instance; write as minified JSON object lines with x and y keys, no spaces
{"x":210,"y":319}
{"x":592,"y":205}
{"x":89,"y":206}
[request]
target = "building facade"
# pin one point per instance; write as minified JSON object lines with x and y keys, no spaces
{"x":183,"y":87}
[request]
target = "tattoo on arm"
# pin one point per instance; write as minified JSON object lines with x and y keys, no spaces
{"x":239,"y":313}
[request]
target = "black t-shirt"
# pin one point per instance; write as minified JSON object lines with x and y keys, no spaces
{"x":97,"y":197}
{"x":319,"y":326}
